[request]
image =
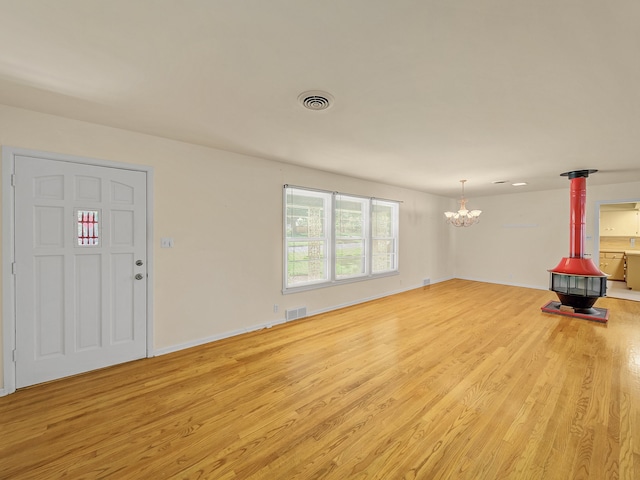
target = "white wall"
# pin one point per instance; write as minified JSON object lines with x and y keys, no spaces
{"x":521,"y":236}
{"x":224,"y":211}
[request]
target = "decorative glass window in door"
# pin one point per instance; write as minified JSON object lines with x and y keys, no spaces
{"x":88,"y":227}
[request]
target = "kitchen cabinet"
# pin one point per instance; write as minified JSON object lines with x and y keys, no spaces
{"x":619,"y":223}
{"x":633,"y":269}
{"x":613,"y":264}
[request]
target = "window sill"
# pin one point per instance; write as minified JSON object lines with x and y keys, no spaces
{"x":316,"y":286}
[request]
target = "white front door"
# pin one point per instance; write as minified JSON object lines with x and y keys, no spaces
{"x":80,"y":254}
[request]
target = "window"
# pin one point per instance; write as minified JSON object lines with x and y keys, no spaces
{"x":87,"y":221}
{"x":333,"y":237}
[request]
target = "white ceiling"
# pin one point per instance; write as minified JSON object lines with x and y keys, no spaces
{"x":427,"y":92}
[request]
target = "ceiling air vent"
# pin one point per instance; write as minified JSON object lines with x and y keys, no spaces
{"x":315,"y":100}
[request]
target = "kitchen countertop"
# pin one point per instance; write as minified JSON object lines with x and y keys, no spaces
{"x":632,"y":252}
{"x":612,"y":250}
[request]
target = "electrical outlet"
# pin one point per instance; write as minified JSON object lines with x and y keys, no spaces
{"x":275,"y":308}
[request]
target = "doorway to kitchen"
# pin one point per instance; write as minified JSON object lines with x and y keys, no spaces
{"x":619,"y":247}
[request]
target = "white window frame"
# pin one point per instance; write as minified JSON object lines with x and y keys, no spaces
{"x":331,"y":258}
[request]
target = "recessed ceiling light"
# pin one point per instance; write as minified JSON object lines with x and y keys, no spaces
{"x":519,"y":184}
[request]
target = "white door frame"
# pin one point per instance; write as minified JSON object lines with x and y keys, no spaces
{"x":596,"y":223}
{"x":8,"y":250}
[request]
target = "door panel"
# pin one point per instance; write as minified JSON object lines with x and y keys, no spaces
{"x":79,"y":231}
{"x":88,"y":188}
{"x":48,"y":321}
{"x":48,"y":227}
{"x":122,"y":228}
{"x":88,"y":301}
{"x":123,"y":320}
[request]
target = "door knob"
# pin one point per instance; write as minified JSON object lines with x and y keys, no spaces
{"x":139,"y":263}
{"x":139,"y":276}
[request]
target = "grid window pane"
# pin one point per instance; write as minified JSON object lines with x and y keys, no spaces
{"x":306,"y":262}
{"x":350,"y":217}
{"x":350,"y":258}
{"x":88,"y":227}
{"x":382,"y":220}
{"x":383,"y":258}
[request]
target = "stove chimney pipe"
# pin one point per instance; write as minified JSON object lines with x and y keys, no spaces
{"x":577,"y":233}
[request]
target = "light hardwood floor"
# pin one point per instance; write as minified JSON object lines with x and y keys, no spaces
{"x":458,"y":380}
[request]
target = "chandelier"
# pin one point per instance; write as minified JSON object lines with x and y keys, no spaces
{"x":463,"y":217}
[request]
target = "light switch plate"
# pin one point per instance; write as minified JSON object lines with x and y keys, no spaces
{"x":166,"y":242}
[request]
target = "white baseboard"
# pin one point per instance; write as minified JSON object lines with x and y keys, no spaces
{"x":3,"y":392}
{"x":440,"y":280}
{"x":510,"y":284}
{"x":214,"y":338}
{"x":375,"y":297}
{"x":233,"y":333}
